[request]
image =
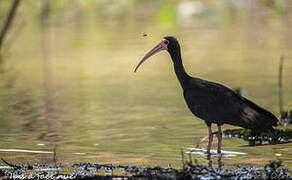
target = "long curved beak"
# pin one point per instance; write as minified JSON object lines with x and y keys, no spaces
{"x":161,"y":46}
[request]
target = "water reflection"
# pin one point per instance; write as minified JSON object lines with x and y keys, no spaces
{"x":24,"y":151}
{"x":49,"y":65}
{"x":195,"y":152}
{"x":213,"y":152}
{"x":68,"y":79}
{"x":219,"y":161}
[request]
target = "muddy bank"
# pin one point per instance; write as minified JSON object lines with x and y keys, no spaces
{"x":273,"y":170}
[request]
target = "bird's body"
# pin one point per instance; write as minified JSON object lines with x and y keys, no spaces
{"x":213,"y":102}
{"x":218,"y":104}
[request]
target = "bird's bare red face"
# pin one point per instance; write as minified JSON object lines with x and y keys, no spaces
{"x":163,"y":45}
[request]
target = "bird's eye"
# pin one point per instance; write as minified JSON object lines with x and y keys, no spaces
{"x":165,"y":42}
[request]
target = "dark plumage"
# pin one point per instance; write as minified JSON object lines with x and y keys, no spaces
{"x":213,"y":102}
{"x":218,"y":104}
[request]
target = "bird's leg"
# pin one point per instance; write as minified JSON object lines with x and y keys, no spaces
{"x":219,"y":138}
{"x":209,"y":160}
{"x":210,"y":138}
{"x":220,"y":162}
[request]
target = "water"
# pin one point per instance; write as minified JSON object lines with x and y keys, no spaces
{"x":68,"y":84}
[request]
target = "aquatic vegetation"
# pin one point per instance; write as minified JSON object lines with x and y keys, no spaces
{"x":286,"y":117}
{"x":276,"y":137}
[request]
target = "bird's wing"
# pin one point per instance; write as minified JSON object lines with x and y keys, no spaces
{"x":216,"y":103}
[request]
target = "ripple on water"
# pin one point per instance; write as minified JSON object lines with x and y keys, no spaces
{"x":25,"y":151}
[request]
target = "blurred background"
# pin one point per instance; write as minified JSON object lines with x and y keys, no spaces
{"x":67,"y":80}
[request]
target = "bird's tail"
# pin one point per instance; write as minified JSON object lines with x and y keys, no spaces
{"x":264,"y":123}
{"x":257,"y":118}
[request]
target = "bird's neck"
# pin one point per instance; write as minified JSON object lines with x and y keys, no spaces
{"x":179,"y":69}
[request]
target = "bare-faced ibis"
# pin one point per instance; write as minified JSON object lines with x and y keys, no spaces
{"x":213,"y":102}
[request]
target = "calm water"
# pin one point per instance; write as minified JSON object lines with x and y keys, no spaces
{"x":69,"y":84}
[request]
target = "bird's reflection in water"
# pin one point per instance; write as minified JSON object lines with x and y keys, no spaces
{"x":210,"y":160}
{"x":211,"y":157}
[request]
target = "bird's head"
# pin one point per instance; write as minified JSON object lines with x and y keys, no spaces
{"x":168,"y":43}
